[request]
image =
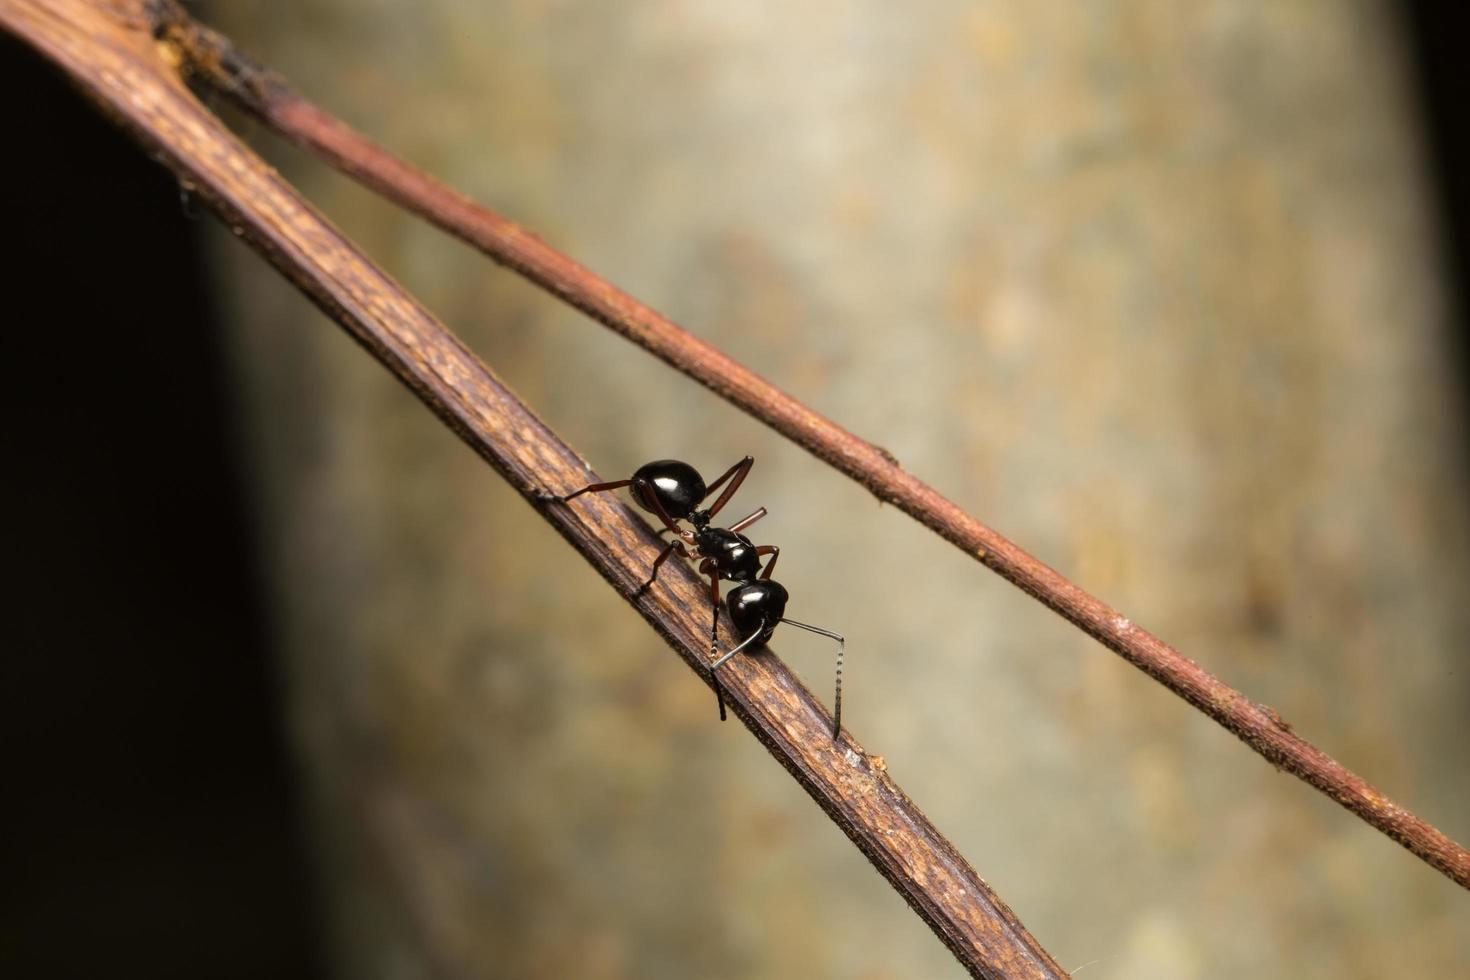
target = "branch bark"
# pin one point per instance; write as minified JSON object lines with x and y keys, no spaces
{"x":215,"y":61}
{"x":108,"y":50}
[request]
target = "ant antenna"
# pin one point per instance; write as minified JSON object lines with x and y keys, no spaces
{"x":837,"y":702}
{"x":841,"y":644}
{"x":743,"y":644}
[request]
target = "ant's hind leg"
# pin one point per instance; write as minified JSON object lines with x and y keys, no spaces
{"x":592,"y":488}
{"x":739,"y":471}
{"x":645,"y":491}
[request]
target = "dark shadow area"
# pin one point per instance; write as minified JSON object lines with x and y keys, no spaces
{"x":1437,"y":53}
{"x":1437,"y":57}
{"x":151,"y":822}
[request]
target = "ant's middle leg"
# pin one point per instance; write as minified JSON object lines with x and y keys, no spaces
{"x":663,"y":556}
{"x":748,"y":520}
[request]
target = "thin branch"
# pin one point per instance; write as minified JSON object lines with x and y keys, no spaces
{"x":108,"y":52}
{"x":215,"y":60}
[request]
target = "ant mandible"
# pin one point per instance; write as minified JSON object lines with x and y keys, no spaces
{"x":672,"y":491}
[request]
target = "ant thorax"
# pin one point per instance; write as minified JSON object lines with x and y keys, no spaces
{"x":733,"y":554}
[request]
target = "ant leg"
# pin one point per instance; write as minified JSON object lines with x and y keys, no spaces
{"x":593,"y":488}
{"x":748,"y":520}
{"x":739,"y":471}
{"x":658,"y":507}
{"x":663,"y":556}
{"x":774,"y":552}
{"x":747,"y":463}
{"x":837,"y":702}
{"x":707,"y":567}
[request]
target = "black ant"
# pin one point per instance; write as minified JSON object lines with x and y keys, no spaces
{"x":672,"y":491}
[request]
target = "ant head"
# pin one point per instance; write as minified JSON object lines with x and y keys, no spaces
{"x":757,"y":606}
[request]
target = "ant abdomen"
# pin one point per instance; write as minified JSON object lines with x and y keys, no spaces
{"x":677,"y":485}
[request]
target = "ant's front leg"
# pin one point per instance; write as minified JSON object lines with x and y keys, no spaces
{"x":707,"y":567}
{"x":774,"y":552}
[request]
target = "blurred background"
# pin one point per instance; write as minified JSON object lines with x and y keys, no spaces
{"x":1167,"y":293}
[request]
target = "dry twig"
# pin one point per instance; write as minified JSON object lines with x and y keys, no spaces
{"x":212,"y":58}
{"x":107,"y":49}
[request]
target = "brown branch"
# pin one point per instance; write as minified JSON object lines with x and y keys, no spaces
{"x":108,"y":52}
{"x":216,"y":61}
